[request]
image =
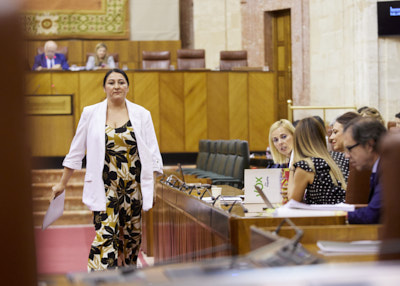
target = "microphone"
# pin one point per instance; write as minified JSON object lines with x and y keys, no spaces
{"x":207,"y":191}
{"x":216,"y":199}
{"x":299,"y":232}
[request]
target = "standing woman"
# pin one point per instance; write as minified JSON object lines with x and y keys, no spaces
{"x":314,"y":178}
{"x":122,"y":157}
{"x":101,"y":60}
{"x":281,"y":142}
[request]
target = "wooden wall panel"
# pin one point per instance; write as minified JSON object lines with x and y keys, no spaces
{"x":238,"y":106}
{"x":146,"y":92}
{"x":262,"y":108}
{"x":185,"y":106}
{"x":50,"y":135}
{"x":195,"y":92}
{"x":217,"y":106}
{"x":38,"y":83}
{"x":172,"y":111}
{"x":90,"y":91}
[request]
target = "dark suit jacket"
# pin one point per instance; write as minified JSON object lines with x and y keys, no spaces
{"x":371,"y":213}
{"x":40,"y":60}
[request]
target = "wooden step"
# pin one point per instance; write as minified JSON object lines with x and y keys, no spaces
{"x":44,"y":189}
{"x":71,"y":203}
{"x":54,"y":176}
{"x":68,"y":218}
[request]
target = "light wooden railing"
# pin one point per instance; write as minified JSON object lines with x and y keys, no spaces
{"x":324,"y":108}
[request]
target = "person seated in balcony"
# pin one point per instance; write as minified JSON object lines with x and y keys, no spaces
{"x":314,"y":178}
{"x":101,"y":59}
{"x":50,"y":59}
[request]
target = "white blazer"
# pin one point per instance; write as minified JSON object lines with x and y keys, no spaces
{"x":90,"y":137}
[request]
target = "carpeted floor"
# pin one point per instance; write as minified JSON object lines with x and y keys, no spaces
{"x":64,"y":249}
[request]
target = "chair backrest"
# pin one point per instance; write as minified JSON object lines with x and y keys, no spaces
{"x":230,"y":164}
{"x":114,"y":55}
{"x":156,"y":60}
{"x":190,"y":59}
{"x":60,"y":50}
{"x":230,"y":59}
{"x":358,"y":186}
{"x":390,"y":179}
{"x":223,"y":157}
{"x":213,"y":154}
{"x":204,"y":153}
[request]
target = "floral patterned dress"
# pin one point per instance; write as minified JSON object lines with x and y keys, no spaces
{"x":118,"y":229}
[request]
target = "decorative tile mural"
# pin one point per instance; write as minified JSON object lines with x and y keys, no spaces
{"x":84,"y":19}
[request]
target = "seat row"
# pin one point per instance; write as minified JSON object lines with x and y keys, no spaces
{"x":187,"y":59}
{"x":192,"y":59}
{"x":223,"y":161}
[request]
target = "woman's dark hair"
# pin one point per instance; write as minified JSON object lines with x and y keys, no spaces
{"x":361,"y":109}
{"x":347,"y":117}
{"x":117,"y":71}
{"x":397,"y":115}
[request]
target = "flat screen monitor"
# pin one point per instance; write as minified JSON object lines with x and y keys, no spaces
{"x":388,"y":18}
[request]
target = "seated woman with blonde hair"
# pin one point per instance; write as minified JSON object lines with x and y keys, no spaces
{"x":281,"y":142}
{"x":314,"y":178}
{"x":101,"y":60}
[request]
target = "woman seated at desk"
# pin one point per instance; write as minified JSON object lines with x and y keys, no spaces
{"x":314,"y":178}
{"x":101,"y":60}
{"x":281,"y":143}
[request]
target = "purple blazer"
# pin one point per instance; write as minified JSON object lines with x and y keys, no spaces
{"x":40,"y":60}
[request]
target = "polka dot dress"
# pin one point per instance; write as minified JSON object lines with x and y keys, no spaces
{"x":322,"y":190}
{"x":342,"y":163}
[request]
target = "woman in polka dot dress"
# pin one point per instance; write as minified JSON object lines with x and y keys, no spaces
{"x":314,"y":178}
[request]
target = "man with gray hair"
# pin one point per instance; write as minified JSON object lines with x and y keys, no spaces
{"x":50,"y":59}
{"x":361,"y":141}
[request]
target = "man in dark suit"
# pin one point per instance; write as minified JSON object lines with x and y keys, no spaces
{"x":50,"y":59}
{"x":361,"y":139}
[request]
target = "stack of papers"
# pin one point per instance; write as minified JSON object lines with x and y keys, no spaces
{"x":338,"y":207}
{"x":360,"y":246}
{"x":296,"y":209}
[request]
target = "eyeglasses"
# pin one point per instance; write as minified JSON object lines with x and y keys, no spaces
{"x":351,"y":147}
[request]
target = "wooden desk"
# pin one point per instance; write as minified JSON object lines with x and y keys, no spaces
{"x":189,"y":229}
{"x":186,"y":106}
{"x":312,"y":234}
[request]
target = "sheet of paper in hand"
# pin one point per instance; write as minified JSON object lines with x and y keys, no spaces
{"x":55,"y":210}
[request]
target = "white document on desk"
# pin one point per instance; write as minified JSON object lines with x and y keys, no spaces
{"x":55,"y":210}
{"x":334,"y":207}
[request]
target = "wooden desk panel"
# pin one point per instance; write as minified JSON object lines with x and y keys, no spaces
{"x":185,"y":106}
{"x":50,"y":135}
{"x":263,"y":108}
{"x":146,"y":92}
{"x":195,"y":96}
{"x":38,"y":83}
{"x":172,"y":127}
{"x":218,"y":110}
{"x":239,"y":106}
{"x":312,"y":234}
{"x":241,"y":233}
{"x":187,"y":229}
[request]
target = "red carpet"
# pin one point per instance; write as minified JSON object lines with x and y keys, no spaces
{"x":63,"y":249}
{"x":60,"y":250}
